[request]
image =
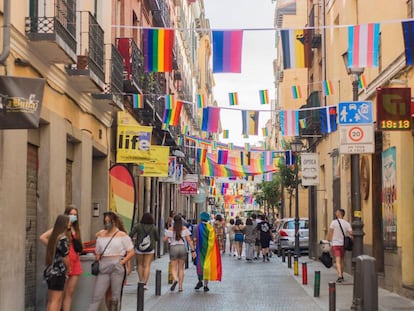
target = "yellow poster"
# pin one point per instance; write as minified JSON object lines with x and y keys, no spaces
{"x":157,"y":164}
{"x":133,"y":143}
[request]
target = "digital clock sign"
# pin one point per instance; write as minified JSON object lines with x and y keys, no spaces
{"x":394,"y":109}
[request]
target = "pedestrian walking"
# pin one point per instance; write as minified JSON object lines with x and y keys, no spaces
{"x":114,"y":248}
{"x":75,"y":248}
{"x":238,"y":237}
{"x":230,"y":232}
{"x":208,"y":258}
{"x":57,"y":262}
{"x":220,"y":230}
{"x":257,"y":242}
{"x":336,"y":237}
{"x":145,"y":235}
{"x":177,"y":236}
{"x":249,"y":239}
{"x":263,"y":228}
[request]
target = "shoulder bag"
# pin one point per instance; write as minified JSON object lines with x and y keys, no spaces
{"x":95,"y":264}
{"x":348,"y":243}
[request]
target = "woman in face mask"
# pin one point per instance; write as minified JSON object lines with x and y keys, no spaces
{"x":114,"y":249}
{"x":75,"y":248}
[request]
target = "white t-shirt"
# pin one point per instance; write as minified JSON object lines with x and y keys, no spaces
{"x":171,"y":236}
{"x":337,"y":237}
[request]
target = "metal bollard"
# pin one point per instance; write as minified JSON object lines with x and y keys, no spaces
{"x":283,"y":255}
{"x":170,"y":277}
{"x":304,"y":273}
{"x":157,"y":282}
{"x":317,"y":284}
{"x":332,"y":296}
{"x":140,"y":297}
{"x":296,"y":265}
{"x":289,"y":259}
{"x":186,"y":262}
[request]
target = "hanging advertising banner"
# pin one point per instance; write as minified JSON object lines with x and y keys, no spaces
{"x":310,"y":169}
{"x":389,"y":198}
{"x":394,"y":109}
{"x":189,"y":184}
{"x":157,"y":163}
{"x":133,"y":143}
{"x":179,"y":174}
{"x":122,"y":193}
{"x":172,"y":166}
{"x":20,"y":102}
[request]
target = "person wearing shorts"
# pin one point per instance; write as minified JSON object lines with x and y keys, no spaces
{"x":177,"y":235}
{"x":336,"y":238}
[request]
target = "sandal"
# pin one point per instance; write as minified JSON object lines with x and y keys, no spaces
{"x":173,"y":286}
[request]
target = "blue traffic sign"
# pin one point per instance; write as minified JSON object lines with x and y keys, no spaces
{"x":355,"y":112}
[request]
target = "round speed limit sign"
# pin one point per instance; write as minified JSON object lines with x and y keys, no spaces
{"x":356,"y":134}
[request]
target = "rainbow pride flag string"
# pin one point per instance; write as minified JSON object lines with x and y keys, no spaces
{"x":264,"y":97}
{"x":158,"y":47}
{"x":362,"y":82}
{"x":225,"y":133}
{"x":201,"y":102}
{"x":265,"y":132}
{"x":327,"y":87}
{"x":169,"y":99}
{"x":137,"y":101}
{"x":233,"y":99}
{"x":296,"y":92}
{"x":201,"y":155}
{"x":208,"y":253}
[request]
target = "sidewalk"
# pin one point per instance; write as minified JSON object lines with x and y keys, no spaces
{"x":253,"y":286}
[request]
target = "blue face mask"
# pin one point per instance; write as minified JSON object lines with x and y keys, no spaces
{"x":73,"y":218}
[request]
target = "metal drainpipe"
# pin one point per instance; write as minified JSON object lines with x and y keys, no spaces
{"x":6,"y":33}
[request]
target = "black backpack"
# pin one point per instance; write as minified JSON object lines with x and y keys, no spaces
{"x":144,"y":244}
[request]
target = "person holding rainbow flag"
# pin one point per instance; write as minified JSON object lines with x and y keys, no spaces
{"x":208,"y":260}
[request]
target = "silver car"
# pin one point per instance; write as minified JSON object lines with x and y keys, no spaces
{"x":285,"y":234}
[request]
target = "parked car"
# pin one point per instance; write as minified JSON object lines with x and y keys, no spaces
{"x":284,"y":234}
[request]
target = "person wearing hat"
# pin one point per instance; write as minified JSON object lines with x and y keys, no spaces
{"x":208,"y":257}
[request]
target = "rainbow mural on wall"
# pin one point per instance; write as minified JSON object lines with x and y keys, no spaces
{"x":122,"y":193}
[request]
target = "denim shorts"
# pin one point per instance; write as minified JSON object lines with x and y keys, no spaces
{"x":178,"y":251}
{"x":56,"y":283}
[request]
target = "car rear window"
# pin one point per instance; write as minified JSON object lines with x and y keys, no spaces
{"x":303,"y":224}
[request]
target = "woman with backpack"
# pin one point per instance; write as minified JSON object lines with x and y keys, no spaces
{"x":145,"y":235}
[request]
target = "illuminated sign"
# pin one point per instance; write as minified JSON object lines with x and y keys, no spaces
{"x":394,"y":109}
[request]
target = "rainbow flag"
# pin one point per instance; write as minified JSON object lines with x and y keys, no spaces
{"x":158,"y":50}
{"x":363,"y":45}
{"x":296,"y":92}
{"x":231,"y":146}
{"x":180,"y":141}
{"x":172,"y":116}
{"x":222,"y":156}
{"x":225,"y":133}
{"x":201,"y":103}
{"x":137,"y":101}
{"x":233,"y":99}
{"x":327,"y":87}
{"x":264,"y":97}
{"x":247,"y":146}
{"x":208,"y":253}
{"x":184,"y":130}
{"x":211,"y":119}
{"x":227,"y":48}
{"x":362,"y":82}
{"x":201,"y":155}
{"x":265,"y":131}
{"x":169,"y":99}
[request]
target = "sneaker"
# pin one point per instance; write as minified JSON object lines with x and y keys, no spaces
{"x":255,"y":258}
{"x":199,"y":285}
{"x":340,"y":280}
{"x":267,"y":258}
{"x":206,"y":289}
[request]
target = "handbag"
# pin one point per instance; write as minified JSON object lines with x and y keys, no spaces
{"x":326,"y":259}
{"x":95,"y":264}
{"x":348,"y":243}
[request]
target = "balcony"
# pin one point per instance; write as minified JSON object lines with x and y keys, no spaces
{"x":54,"y":36}
{"x":88,"y":74}
{"x":133,"y":65}
{"x":311,"y":117}
{"x":112,"y":96}
{"x":161,"y":14}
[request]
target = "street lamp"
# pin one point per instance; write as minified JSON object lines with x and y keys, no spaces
{"x":296,"y":147}
{"x":357,"y":224}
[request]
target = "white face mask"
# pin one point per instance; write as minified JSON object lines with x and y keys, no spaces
{"x":73,"y":218}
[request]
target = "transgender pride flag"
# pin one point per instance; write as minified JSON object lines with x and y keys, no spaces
{"x":289,"y":122}
{"x":227,"y":46}
{"x":363,"y":45}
